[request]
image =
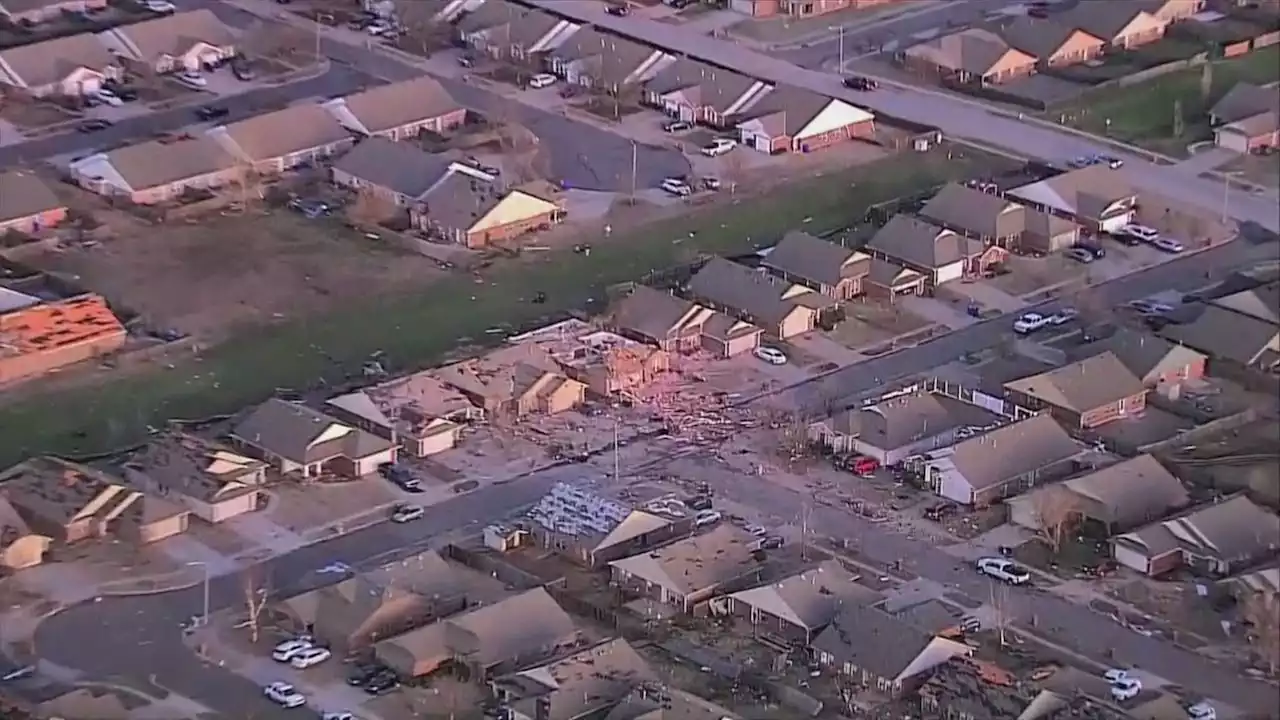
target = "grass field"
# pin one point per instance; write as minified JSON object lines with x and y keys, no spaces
{"x":1143,"y":114}
{"x":416,"y":330}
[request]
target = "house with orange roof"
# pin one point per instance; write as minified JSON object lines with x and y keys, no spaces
{"x":42,"y":338}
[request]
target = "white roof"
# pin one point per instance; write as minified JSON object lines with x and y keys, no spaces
{"x":11,"y":300}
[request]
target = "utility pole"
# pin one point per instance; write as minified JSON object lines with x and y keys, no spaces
{"x":805,"y":509}
{"x":617,"y":459}
{"x":635,"y":161}
{"x":840,"y":29}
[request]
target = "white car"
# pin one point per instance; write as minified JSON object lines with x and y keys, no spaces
{"x":1202,"y":711}
{"x":1114,"y":675}
{"x":309,"y":657}
{"x":542,"y":80}
{"x":407,"y":513}
{"x":1063,"y":316}
{"x":1167,"y":245}
{"x":756,"y":530}
{"x":1141,"y":232}
{"x":705,"y":518}
{"x":192,"y":79}
{"x":337,"y":716}
{"x":1030,"y":322}
{"x":290,"y":649}
{"x":1004,"y":570}
{"x":159,"y":6}
{"x":719,"y":147}
{"x":109,"y":98}
{"x":773,"y":356}
{"x":677,"y":187}
{"x":1126,"y":689}
{"x":284,"y":694}
{"x":380,"y":28}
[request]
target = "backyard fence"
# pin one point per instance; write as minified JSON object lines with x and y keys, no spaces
{"x":1193,"y":435}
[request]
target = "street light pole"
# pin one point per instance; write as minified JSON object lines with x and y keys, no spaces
{"x":204,"y":618}
{"x":840,"y":43}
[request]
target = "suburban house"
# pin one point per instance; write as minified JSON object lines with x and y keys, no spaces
{"x":608,"y":363}
{"x":181,"y":41}
{"x":45,"y":337}
{"x":210,"y":480}
{"x":608,"y":62}
{"x":781,"y":309}
{"x":1118,"y":497}
{"x":1085,"y":394}
{"x":940,"y":255}
{"x":970,"y":56}
{"x":20,"y":547}
{"x":1153,"y":360}
{"x":384,"y":602}
{"x":831,"y":269}
{"x":298,"y":440}
{"x":513,"y":382}
{"x":593,"y":530}
{"x":890,"y":280}
{"x":285,"y":139}
{"x":671,"y":703}
{"x":68,"y":502}
{"x":38,"y":11}
{"x":422,"y":414}
{"x":27,"y":204}
{"x":995,"y":220}
{"x":586,"y":684}
{"x":877,"y":650}
{"x":510,"y":633}
{"x":690,"y":571}
{"x":71,"y":66}
{"x":798,"y":607}
{"x":1096,"y":197}
{"x":1052,"y":43}
{"x":399,"y":111}
{"x":1261,"y":302}
{"x":1228,"y":337}
{"x":1175,"y":10}
{"x":1217,"y":539}
{"x":1123,"y":25}
{"x":1247,"y":118}
{"x":398,"y":174}
{"x":1001,"y":463}
{"x":798,"y":9}
{"x":676,"y":325}
{"x":697,"y":92}
{"x":477,"y":214}
{"x":791,"y":119}
{"x":893,"y":430}
{"x":508,"y":30}
{"x":157,"y":171}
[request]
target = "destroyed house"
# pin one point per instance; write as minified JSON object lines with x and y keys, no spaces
{"x":582,"y":685}
{"x":593,"y":530}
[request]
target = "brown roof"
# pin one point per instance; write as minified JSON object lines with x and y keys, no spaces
{"x":901,"y":421}
{"x":1129,"y":493}
{"x":388,"y":107}
{"x":921,"y":244}
{"x":801,"y":255}
{"x":62,"y":492}
{"x":1262,"y":302}
{"x":974,"y":51}
{"x":1107,"y":20}
{"x":743,"y":290}
{"x":586,"y":682}
{"x":22,"y":194}
{"x":697,"y":563}
{"x":195,"y":467}
{"x":1042,"y":38}
{"x":175,"y":34}
{"x":788,"y":110}
{"x":701,"y":84}
{"x":656,"y":315}
{"x":1011,"y":451}
{"x":1225,"y":334}
{"x":50,"y":61}
{"x":968,"y":210}
{"x":1146,"y":356}
{"x":1246,"y":100}
{"x":1085,"y":193}
{"x":1085,"y":385}
{"x":491,"y":14}
{"x":607,"y":59}
{"x":284,"y":132}
{"x":158,"y":163}
{"x":1232,"y":530}
{"x":888,"y":274}
{"x":304,"y":435}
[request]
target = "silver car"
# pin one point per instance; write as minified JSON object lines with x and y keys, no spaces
{"x":1080,"y":255}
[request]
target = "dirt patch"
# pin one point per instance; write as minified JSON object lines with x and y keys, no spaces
{"x":208,"y":275}
{"x":300,"y":508}
{"x":1028,"y":274}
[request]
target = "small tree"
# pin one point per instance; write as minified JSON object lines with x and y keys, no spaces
{"x":1000,"y":611}
{"x":256,"y":588}
{"x":1179,"y":121}
{"x":1057,"y":513}
{"x":1262,"y":611}
{"x":794,"y":448}
{"x":734,"y":164}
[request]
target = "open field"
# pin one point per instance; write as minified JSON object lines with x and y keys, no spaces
{"x":416,"y":329}
{"x":1143,"y":114}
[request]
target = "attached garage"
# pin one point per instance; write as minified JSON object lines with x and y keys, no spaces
{"x":791,"y":119}
{"x":1231,"y":139}
{"x":1114,"y":223}
{"x":947,"y":273}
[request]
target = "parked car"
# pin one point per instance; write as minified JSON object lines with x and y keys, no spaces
{"x":1064,"y":316}
{"x":1126,"y":689}
{"x":756,"y":530}
{"x":381,"y":683}
{"x":857,"y":464}
{"x":772,"y":542}
{"x":1004,"y":570}
{"x":706,"y":517}
{"x":1030,"y":322}
{"x":191,"y":79}
{"x":621,"y":10}
{"x":771,"y":355}
{"x":1078,"y":254}
{"x":242,"y":70}
{"x":677,"y":126}
{"x":1113,"y":675}
{"x":1150,"y":307}
{"x":94,"y":125}
{"x":466,"y":61}
{"x":542,"y":80}
{"x":310,"y":657}
{"x":487,"y":169}
{"x":363,"y":673}
{"x":711,"y":182}
{"x":1110,"y":161}
{"x":1168,"y":245}
{"x":1141,"y":232}
{"x":1202,"y":711}
{"x":407,"y":513}
{"x":856,"y":82}
{"x":1094,"y":249}
{"x":283,"y":693}
{"x":108,"y":98}
{"x":719,"y":147}
{"x":677,"y":187}
{"x":700,"y":503}
{"x":159,"y":6}
{"x":211,"y":112}
{"x":289,"y":649}
{"x":337,"y":716}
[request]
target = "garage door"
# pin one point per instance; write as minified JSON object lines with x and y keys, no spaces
{"x":1232,"y":141}
{"x":1112,"y":224}
{"x":947,"y":273}
{"x":1131,"y":559}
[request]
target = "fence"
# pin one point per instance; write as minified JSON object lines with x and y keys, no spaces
{"x":1193,"y":435}
{"x":493,"y":566}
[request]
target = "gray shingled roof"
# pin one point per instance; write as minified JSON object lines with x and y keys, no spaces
{"x":872,"y":639}
{"x":396,"y":166}
{"x":804,"y":256}
{"x":22,"y":194}
{"x":1012,"y":451}
{"x":650,"y":313}
{"x":1222,"y":333}
{"x":703,"y":84}
{"x":921,"y":244}
{"x":1041,"y":38}
{"x":1246,"y":100}
{"x":755,"y":294}
{"x":1082,"y":386}
{"x":965,"y":209}
{"x":290,"y":430}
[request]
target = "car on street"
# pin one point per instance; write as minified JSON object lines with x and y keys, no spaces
{"x":756,"y":530}
{"x":1097,"y":251}
{"x":191,"y":79}
{"x":108,"y":98}
{"x":857,"y":82}
{"x":282,"y":693}
{"x":159,"y":6}
{"x":1202,"y":711}
{"x":1080,"y":162}
{"x":620,"y":10}
{"x":1112,"y":675}
{"x":466,"y":61}
{"x":1110,"y":161}
{"x":1150,"y":307}
{"x":677,"y":187}
{"x":289,"y":649}
{"x":711,"y":182}
{"x":860,"y":465}
{"x":1140,"y":232}
{"x":1168,"y":245}
{"x":772,"y":542}
{"x":407,"y":513}
{"x":677,"y":126}
{"x":542,"y":80}
{"x":1126,"y":689}
{"x":242,"y":70}
{"x":337,"y":716}
{"x":310,"y":657}
{"x":1028,"y":323}
{"x":211,"y":112}
{"x":485,"y":168}
{"x":94,"y":125}
{"x":1064,"y":316}
{"x":706,"y":517}
{"x":1003,"y":569}
{"x":719,"y":147}
{"x":381,"y":683}
{"x":771,"y":355}
{"x":1079,"y":255}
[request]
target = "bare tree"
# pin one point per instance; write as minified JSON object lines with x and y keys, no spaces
{"x":423,"y":32}
{"x":794,"y":448}
{"x":256,"y":586}
{"x":734,"y":164}
{"x":247,"y":182}
{"x":1000,"y":614}
{"x":626,"y":95}
{"x":1057,"y":513}
{"x":1262,"y":611}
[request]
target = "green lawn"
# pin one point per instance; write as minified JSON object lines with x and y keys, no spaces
{"x":417,"y":330}
{"x":1143,"y":114}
